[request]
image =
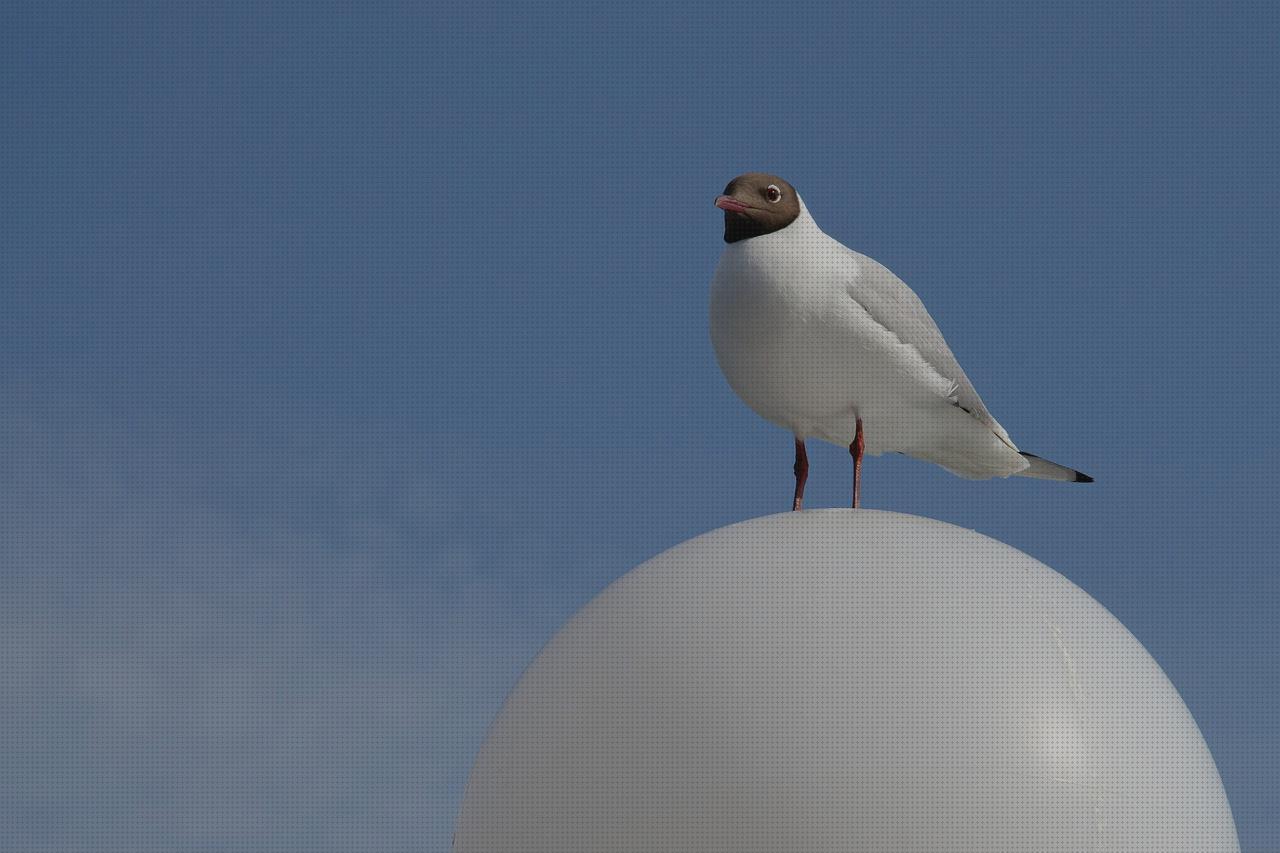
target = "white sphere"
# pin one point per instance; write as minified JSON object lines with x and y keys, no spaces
{"x":844,"y":680}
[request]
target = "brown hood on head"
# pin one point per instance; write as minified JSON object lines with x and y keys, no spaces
{"x":757,"y":203}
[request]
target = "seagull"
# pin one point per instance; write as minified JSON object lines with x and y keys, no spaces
{"x":829,"y":344}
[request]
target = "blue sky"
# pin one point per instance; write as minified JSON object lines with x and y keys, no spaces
{"x":346,"y":351}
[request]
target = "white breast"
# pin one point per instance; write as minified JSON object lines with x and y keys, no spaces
{"x":804,"y":354}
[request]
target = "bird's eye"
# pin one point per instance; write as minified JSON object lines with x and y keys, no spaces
{"x":773,"y":194}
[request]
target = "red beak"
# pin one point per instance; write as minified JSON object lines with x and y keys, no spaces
{"x":731,"y":204}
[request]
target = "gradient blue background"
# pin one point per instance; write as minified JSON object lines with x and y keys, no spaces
{"x":345,"y":351}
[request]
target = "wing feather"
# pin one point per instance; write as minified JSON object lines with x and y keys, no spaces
{"x":893,"y":305}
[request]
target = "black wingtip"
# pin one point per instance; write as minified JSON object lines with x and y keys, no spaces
{"x":1083,"y":478}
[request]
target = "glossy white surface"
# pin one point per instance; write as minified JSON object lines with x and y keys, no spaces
{"x":844,"y":680}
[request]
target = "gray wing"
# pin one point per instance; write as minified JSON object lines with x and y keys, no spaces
{"x":896,"y":307}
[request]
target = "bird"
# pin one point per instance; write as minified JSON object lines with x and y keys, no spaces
{"x":830,"y":344}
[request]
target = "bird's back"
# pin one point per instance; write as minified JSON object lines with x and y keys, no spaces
{"x":812,"y":335}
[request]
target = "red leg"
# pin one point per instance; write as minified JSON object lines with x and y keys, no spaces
{"x":855,"y":450}
{"x":802,"y":473}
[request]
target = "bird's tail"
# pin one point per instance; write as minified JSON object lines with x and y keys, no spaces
{"x":1043,"y":469}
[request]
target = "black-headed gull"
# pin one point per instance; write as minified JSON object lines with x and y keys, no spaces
{"x":828,"y":343}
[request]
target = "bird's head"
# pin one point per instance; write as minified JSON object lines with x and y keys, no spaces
{"x":757,"y":203}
